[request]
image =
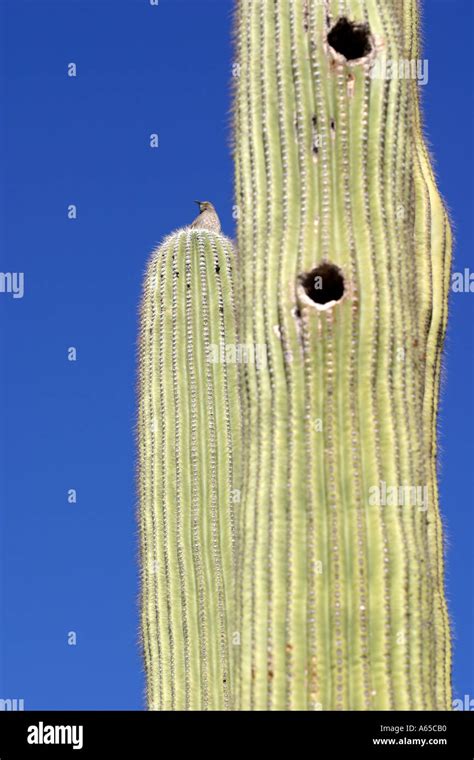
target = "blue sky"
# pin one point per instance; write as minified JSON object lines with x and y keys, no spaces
{"x":69,"y":425}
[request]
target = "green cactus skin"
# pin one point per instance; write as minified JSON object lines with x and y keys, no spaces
{"x":341,"y":601}
{"x":188,"y":447}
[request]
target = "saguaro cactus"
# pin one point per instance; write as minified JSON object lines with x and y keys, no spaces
{"x":188,"y":446}
{"x":345,"y":256}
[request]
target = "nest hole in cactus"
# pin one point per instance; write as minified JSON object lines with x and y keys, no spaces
{"x":350,"y":39}
{"x":324,"y":285}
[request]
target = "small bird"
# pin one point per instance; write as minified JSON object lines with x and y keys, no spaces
{"x":207,"y":217}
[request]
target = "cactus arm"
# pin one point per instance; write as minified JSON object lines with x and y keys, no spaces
{"x":188,"y":444}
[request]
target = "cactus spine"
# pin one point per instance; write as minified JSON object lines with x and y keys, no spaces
{"x":188,"y":447}
{"x":341,"y":582}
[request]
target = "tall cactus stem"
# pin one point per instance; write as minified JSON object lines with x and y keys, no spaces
{"x":345,"y":250}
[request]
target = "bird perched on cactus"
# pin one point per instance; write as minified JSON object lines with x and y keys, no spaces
{"x":207,"y":217}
